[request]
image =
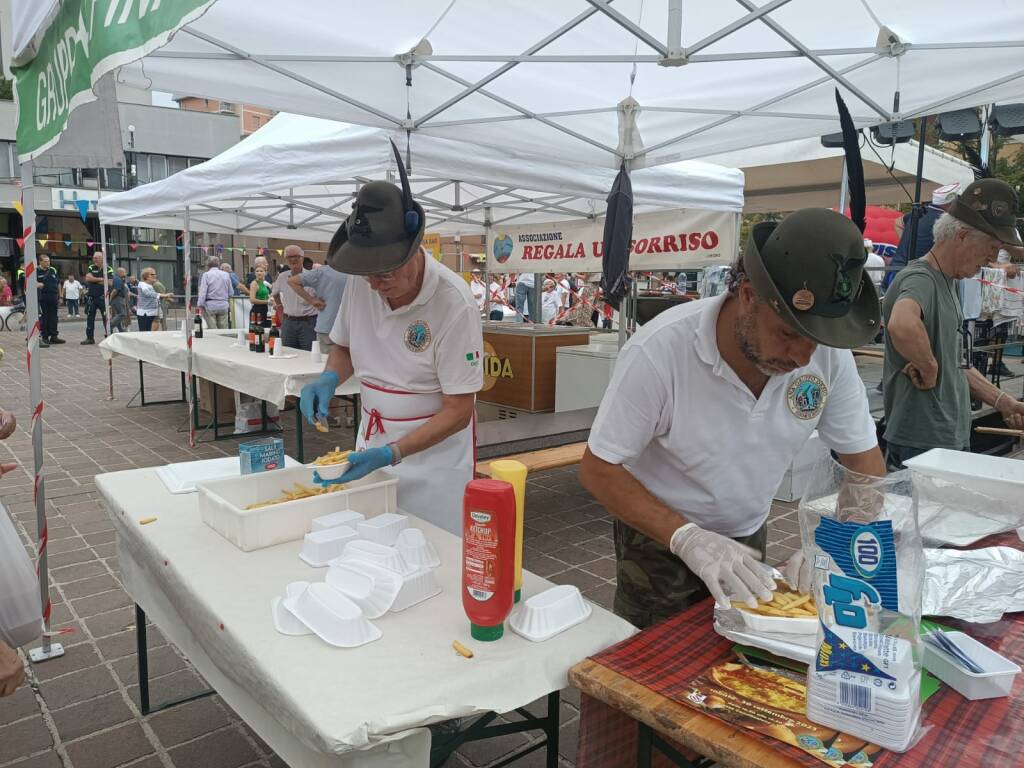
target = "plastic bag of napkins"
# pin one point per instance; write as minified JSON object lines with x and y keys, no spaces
{"x":861,"y":535}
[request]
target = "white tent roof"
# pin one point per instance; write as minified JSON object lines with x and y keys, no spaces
{"x":706,"y":75}
{"x":296,"y":177}
{"x":803,"y":173}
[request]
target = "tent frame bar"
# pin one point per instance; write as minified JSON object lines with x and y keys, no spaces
{"x":634,"y":29}
{"x":623,"y":58}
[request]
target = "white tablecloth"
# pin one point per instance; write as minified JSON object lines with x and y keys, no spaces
{"x":325,"y":700}
{"x":219,"y":359}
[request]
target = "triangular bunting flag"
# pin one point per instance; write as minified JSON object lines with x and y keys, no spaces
{"x":133,"y":245}
{"x":67,"y":242}
{"x":259,"y":250}
{"x":20,"y":241}
{"x":83,"y":208}
{"x":89,"y":243}
{"x":180,"y":247}
{"x":156,"y":247}
{"x":18,"y":207}
{"x":280,"y":251}
{"x":42,"y":242}
{"x":220,"y":248}
{"x":205,"y":249}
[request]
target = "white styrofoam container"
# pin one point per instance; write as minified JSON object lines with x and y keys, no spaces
{"x":222,"y":505}
{"x":995,"y":681}
{"x":794,"y":482}
{"x":757,"y":622}
{"x":995,"y":476}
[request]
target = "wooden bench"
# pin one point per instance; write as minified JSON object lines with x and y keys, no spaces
{"x":546,"y":458}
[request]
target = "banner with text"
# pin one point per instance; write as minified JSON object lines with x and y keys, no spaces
{"x":679,"y":239}
{"x":85,"y":40}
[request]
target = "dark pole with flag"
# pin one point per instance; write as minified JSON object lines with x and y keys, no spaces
{"x":618,"y":234}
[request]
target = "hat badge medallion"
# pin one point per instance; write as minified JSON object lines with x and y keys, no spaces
{"x":803,"y":299}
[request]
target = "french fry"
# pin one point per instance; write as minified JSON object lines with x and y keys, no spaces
{"x":295,"y":492}
{"x":337,"y":456}
{"x":784,"y":604}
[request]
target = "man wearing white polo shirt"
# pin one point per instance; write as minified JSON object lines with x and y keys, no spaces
{"x":409,"y":331}
{"x":710,"y":403}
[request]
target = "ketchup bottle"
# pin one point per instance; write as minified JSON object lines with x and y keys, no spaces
{"x":488,"y":556}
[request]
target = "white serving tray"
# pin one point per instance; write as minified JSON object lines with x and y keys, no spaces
{"x":183,"y":476}
{"x":222,"y":505}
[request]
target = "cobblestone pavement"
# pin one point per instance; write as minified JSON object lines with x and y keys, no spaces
{"x":81,"y":710}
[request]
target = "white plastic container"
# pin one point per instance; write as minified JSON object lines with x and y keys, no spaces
{"x":182,"y":476}
{"x":345,"y":517}
{"x":285,"y":621}
{"x":320,"y":547}
{"x":372,"y":588}
{"x":995,"y":476}
{"x":549,"y":613}
{"x":334,"y":618}
{"x":376,"y":554}
{"x":315,"y":355}
{"x":330,"y":471}
{"x":416,"y":587}
{"x":222,"y":505}
{"x":995,"y":681}
{"x":414,"y":548}
{"x":383,"y":529}
{"x":757,"y":623}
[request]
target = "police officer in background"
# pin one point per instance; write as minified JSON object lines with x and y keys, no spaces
{"x":94,"y":298}
{"x":48,"y":283}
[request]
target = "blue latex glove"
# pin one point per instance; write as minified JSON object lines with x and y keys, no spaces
{"x":360,"y":464}
{"x":315,"y":398}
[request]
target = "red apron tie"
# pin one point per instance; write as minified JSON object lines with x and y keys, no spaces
{"x":374,"y":425}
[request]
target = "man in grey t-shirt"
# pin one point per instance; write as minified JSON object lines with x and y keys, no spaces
{"x":329,"y":286}
{"x":928,"y":380}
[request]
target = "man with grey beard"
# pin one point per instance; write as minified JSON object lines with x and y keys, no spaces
{"x":712,"y":401}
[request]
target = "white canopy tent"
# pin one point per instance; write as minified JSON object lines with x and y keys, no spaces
{"x":296,"y":178}
{"x":803,"y":173}
{"x":651,"y":81}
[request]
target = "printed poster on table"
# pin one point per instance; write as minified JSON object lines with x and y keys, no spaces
{"x":680,"y":239}
{"x":774,"y":705}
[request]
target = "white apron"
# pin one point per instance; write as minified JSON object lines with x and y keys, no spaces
{"x":431,"y":483}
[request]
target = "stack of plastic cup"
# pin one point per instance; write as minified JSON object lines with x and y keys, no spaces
{"x":315,"y":353}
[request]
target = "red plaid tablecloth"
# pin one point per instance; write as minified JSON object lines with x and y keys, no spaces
{"x":665,"y":657}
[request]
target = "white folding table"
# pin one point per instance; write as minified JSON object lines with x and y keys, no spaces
{"x":314,"y":704}
{"x":219,"y":359}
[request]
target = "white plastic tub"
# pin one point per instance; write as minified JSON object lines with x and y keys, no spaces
{"x":222,"y":505}
{"x":995,"y":681}
{"x":549,"y":613}
{"x":995,"y":476}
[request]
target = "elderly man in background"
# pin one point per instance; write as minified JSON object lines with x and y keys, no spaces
{"x":299,"y":327}
{"x":215,"y":290}
{"x":328,"y":286}
{"x":929,"y":378}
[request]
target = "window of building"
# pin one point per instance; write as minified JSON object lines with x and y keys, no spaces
{"x":176,"y":164}
{"x":9,"y":166}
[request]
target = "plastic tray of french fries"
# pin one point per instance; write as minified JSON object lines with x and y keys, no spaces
{"x":787,"y":612}
{"x":268,"y":508}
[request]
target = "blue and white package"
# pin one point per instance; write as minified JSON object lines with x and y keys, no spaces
{"x":861,"y":535}
{"x":261,"y":455}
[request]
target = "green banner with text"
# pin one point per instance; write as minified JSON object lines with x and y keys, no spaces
{"x":85,"y":40}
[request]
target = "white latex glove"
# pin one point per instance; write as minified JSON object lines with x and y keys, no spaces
{"x":725,"y":566}
{"x":798,"y":573}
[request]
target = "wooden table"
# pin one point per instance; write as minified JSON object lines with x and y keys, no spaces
{"x":659,"y":716}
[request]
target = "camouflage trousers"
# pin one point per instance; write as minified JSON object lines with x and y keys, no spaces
{"x":652,"y":583}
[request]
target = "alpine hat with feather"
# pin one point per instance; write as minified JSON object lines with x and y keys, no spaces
{"x":810,"y":269}
{"x":383,"y":231}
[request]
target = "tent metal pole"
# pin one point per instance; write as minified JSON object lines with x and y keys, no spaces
{"x":487,"y":272}
{"x":916,"y":217}
{"x":48,"y":650}
{"x":103,"y":247}
{"x":186,"y":240}
{"x":843,"y":189}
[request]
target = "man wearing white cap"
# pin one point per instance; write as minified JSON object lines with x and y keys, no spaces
{"x":942,"y":198}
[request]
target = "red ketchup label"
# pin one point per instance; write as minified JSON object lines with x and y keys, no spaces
{"x":480,"y":555}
